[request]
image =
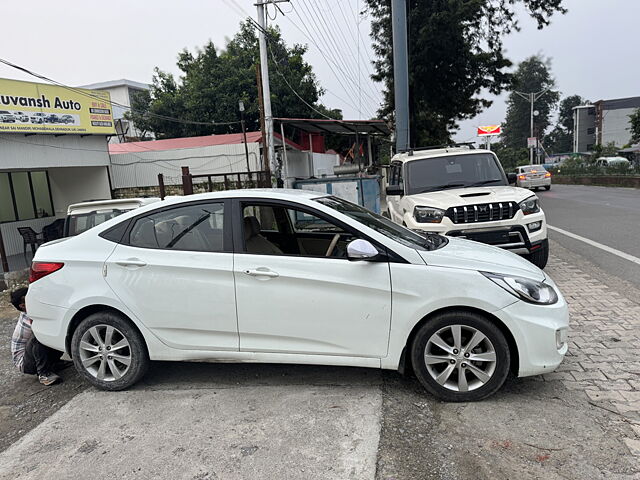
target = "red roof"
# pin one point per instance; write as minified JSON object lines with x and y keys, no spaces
{"x":190,"y":142}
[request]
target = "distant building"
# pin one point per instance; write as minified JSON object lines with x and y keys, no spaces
{"x":122,"y":92}
{"x":602,"y":123}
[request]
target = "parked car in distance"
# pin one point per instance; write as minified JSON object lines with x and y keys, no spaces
{"x":292,"y":276}
{"x":66,"y":119}
{"x":533,"y":177}
{"x":38,"y":117}
{"x":608,"y":162}
{"x":464,"y":192}
{"x":85,"y":215}
{"x":7,"y":117}
{"x":21,"y":117}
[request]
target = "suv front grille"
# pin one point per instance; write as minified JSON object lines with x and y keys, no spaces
{"x":482,"y":212}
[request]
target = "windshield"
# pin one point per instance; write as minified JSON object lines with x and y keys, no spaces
{"x":453,"y":171}
{"x":384,"y":226}
{"x":78,"y":223}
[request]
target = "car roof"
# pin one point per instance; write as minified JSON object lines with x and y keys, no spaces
{"x":93,"y":205}
{"x":275,"y":193}
{"x":435,"y":153}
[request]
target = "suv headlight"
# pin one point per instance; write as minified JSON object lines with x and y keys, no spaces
{"x":525,"y":289}
{"x":428,"y":214}
{"x":530,"y":205}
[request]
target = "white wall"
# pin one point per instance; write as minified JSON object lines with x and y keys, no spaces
{"x":323,"y":164}
{"x":142,"y":168}
{"x":19,"y":152}
{"x":76,"y":184}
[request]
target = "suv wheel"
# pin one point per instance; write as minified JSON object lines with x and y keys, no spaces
{"x":460,"y":357}
{"x":109,"y":352}
{"x":540,"y":257}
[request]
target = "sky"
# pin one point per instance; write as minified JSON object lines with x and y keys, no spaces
{"x":593,"y":47}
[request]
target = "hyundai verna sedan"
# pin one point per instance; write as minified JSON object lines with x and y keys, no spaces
{"x":290,"y":276}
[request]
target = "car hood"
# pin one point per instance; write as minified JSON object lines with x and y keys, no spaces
{"x":469,"y":196}
{"x":468,"y":255}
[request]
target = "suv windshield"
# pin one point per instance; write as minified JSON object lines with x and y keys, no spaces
{"x":423,"y":241}
{"x":453,"y":171}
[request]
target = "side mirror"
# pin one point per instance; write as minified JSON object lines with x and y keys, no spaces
{"x":395,"y":190}
{"x":361,"y":250}
{"x":512,"y":177}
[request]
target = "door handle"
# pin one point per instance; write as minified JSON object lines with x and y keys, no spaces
{"x":131,"y":262}
{"x":261,"y":273}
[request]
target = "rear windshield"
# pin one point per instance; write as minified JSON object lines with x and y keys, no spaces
{"x":81,"y":222}
{"x":533,"y":169}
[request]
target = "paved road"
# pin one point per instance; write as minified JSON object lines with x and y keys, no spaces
{"x":608,"y":216}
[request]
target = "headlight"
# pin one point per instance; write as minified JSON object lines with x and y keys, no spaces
{"x":525,"y":289}
{"x":428,"y":214}
{"x":530,"y":205}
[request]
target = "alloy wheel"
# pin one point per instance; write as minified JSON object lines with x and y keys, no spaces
{"x":105,"y":353}
{"x":460,"y":358}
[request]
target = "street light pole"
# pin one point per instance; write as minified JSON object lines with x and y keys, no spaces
{"x":244,"y":136}
{"x":532,"y":97}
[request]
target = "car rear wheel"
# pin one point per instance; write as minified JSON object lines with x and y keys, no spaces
{"x":540,"y":257}
{"x":460,"y":356}
{"x":547,"y":187}
{"x":109,"y":352}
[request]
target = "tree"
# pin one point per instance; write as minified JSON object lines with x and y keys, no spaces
{"x":455,"y":54}
{"x":532,"y":75}
{"x":560,"y":140}
{"x":212,"y":83}
{"x":634,"y":120}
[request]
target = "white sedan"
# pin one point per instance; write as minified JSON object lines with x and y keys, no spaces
{"x":289,"y":276}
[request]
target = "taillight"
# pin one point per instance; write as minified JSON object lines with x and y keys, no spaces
{"x":547,"y":175}
{"x":521,"y":177}
{"x":42,"y":269}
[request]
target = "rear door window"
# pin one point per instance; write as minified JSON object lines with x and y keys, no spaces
{"x":196,"y":228}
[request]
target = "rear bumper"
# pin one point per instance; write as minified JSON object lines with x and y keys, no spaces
{"x":542,"y":182}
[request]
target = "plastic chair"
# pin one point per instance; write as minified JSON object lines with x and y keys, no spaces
{"x":30,"y":237}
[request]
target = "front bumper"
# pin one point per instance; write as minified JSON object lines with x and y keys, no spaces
{"x":513,"y":234}
{"x":534,"y":330}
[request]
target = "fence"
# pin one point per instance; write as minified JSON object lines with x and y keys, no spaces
{"x":215,"y":182}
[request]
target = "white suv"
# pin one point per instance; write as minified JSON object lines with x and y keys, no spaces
{"x":463,"y":192}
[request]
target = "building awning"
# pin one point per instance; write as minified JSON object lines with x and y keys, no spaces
{"x":340,"y":127}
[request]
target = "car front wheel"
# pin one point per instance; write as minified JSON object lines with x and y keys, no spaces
{"x":109,"y":352}
{"x":460,"y":356}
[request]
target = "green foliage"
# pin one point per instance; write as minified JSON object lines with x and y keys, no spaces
{"x":510,"y":158}
{"x":634,"y":120}
{"x":455,"y":54}
{"x":560,"y":140}
{"x":532,"y":75}
{"x":212,"y":83}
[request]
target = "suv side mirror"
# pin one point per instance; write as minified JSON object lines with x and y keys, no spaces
{"x":395,"y":190}
{"x":360,"y":249}
{"x":512,"y":177}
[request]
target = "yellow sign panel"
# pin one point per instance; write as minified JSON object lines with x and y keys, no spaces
{"x":27,"y":107}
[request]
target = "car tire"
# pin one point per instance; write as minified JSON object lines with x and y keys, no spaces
{"x":491,"y":374}
{"x":547,"y":187}
{"x":540,"y":257}
{"x":109,"y":352}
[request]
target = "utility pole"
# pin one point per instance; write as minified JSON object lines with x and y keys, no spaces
{"x":532,"y":97}
{"x":264,"y":66}
{"x":400,"y":73}
{"x":263,"y":131}
{"x":244,"y":137}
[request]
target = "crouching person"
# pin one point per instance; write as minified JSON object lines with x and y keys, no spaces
{"x":29,"y":355}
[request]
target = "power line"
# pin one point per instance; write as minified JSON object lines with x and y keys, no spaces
{"x":336,"y":44}
{"x":332,"y":45}
{"x":330,"y":62}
